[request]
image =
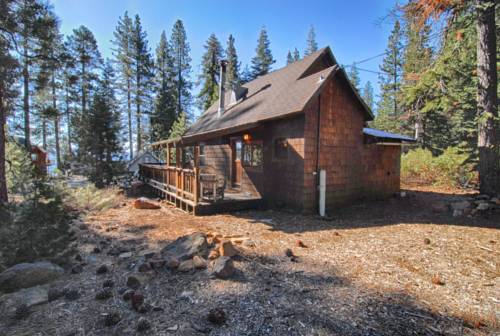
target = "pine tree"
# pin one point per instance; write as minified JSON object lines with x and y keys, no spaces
{"x":179,"y":127}
{"x":263,"y":59}
{"x":82,"y":47}
{"x":354,"y":76}
{"x":122,"y":53}
{"x":69,"y":83}
{"x":233,"y":66}
{"x":164,"y":114}
{"x":142,"y":65}
{"x":100,"y":129}
{"x":209,"y":76}
{"x":389,"y":107}
{"x":246,"y":75}
{"x":8,"y":75}
{"x":311,"y":43}
{"x":182,"y":68}
{"x":368,"y":95}
{"x":296,"y":55}
{"x":289,"y":58}
{"x":35,"y":20}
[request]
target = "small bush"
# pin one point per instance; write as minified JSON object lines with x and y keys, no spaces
{"x":90,"y":198}
{"x":449,"y":169}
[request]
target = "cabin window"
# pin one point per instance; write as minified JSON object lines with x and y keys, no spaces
{"x":280,"y":148}
{"x":252,"y":154}
{"x":201,"y":154}
{"x":34,"y":156}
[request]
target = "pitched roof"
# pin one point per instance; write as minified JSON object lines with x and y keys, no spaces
{"x":278,"y":94}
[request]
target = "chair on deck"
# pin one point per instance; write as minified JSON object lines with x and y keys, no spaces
{"x":212,"y":185}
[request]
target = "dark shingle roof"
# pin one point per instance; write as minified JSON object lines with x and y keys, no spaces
{"x":278,"y":94}
{"x":386,"y":135}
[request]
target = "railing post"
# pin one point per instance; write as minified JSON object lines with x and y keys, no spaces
{"x":195,"y":187}
{"x":182,"y":183}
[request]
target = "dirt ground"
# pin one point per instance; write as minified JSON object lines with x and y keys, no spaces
{"x":403,"y":266}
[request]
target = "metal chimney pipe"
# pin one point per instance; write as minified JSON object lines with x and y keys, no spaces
{"x":222,"y":89}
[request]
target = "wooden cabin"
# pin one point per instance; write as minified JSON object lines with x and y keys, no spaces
{"x":40,"y":159}
{"x":266,"y":142}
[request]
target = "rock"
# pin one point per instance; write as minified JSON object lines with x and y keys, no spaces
{"x":148,"y":254}
{"x":299,"y":243}
{"x":108,"y":284}
{"x":104,"y":294}
{"x":227,"y":249}
{"x":216,"y":316}
{"x":133,"y":282}
{"x":457,"y":213}
{"x":482,"y":197}
{"x":214,"y":254}
{"x":172,"y":262}
{"x":102,"y":269}
{"x":71,"y":294}
{"x":78,"y":257}
{"x":460,"y":206}
{"x":77,"y":269}
{"x":186,"y":247}
{"x":128,"y":294}
{"x":199,"y":262}
{"x":144,"y":267}
{"x":125,"y":255}
{"x":137,"y":299}
{"x":55,"y":294}
{"x":427,"y":241}
{"x":495,"y":200}
{"x":96,"y":250}
{"x":145,"y":203}
{"x":222,"y":267}
{"x":27,"y":296}
{"x":186,"y":266}
{"x":483,"y":206}
{"x":143,"y":325}
{"x":27,"y":275}
{"x":111,"y":319}
{"x":159,"y":263}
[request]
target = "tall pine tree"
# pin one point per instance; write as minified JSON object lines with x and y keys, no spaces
{"x":263,"y":59}
{"x":233,"y":66}
{"x":182,"y":69}
{"x":123,"y":54}
{"x":142,"y":71}
{"x":311,"y":44}
{"x":82,"y":47}
{"x":289,"y":58}
{"x":368,"y":95}
{"x":209,"y":76}
{"x":164,"y":114}
{"x":389,"y":105}
{"x":354,"y":76}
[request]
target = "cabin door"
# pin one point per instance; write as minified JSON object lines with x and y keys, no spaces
{"x":236,"y":149}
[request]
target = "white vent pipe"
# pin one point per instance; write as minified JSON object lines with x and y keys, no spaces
{"x":322,"y":192}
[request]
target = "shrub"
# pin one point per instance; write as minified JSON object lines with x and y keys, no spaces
{"x":450,"y":169}
{"x":90,"y":198}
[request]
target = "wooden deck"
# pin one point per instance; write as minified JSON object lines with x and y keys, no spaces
{"x":181,"y":187}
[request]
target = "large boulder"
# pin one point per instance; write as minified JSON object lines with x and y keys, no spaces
{"x":186,"y":247}
{"x":28,"y":275}
{"x":145,"y":203}
{"x":28,"y":297}
{"x":222,"y":267}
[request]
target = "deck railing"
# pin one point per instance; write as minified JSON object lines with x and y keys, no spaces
{"x":180,"y":183}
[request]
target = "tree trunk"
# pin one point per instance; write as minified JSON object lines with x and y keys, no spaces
{"x":44,"y":133}
{"x":68,"y":125}
{"x":129,"y":112}
{"x":26,"y":100}
{"x":4,"y":198}
{"x":138,"y":110}
{"x":487,"y":100}
{"x":56,"y":123}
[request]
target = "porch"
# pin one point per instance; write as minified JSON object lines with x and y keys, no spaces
{"x":192,"y":187}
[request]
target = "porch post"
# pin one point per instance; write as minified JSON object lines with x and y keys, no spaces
{"x":168,"y":155}
{"x":196,"y":172}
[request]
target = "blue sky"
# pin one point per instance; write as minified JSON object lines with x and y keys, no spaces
{"x":354,"y":29}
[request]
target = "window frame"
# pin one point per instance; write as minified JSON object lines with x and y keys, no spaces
{"x":252,"y":145}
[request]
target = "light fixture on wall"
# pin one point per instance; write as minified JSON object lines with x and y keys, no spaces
{"x":247,"y":137}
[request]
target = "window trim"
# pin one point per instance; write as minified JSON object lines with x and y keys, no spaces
{"x":275,"y":156}
{"x":251,"y":144}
